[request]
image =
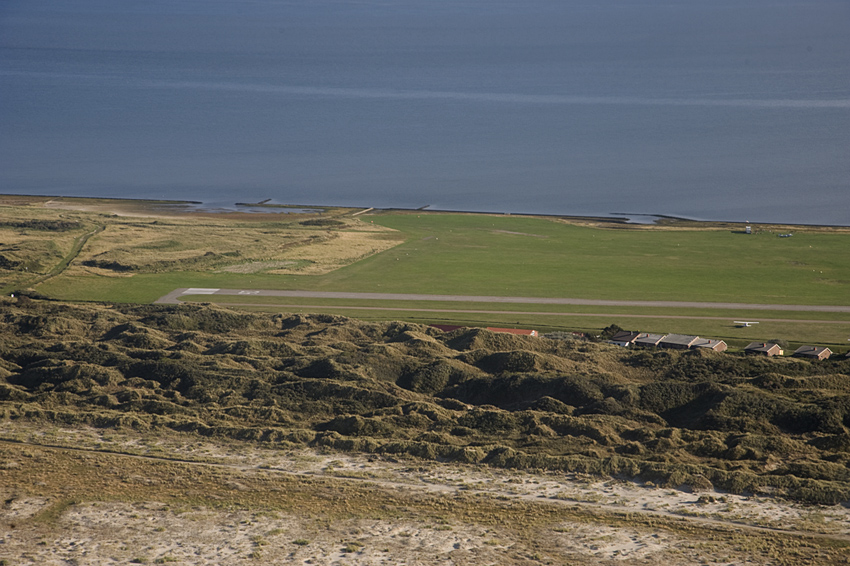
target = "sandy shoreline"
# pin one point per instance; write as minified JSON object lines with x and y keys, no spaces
{"x":126,"y":206}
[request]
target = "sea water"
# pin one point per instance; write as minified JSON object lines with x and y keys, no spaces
{"x":734,"y":110}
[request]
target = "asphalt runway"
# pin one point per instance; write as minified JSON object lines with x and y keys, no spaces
{"x":174,"y":298}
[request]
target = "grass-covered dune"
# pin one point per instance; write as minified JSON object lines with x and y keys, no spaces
{"x":691,"y":418}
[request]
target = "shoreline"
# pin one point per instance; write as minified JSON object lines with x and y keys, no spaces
{"x":202,"y":207}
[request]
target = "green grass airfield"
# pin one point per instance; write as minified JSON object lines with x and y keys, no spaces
{"x":451,"y":253}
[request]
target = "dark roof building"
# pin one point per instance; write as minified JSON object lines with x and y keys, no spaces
{"x":624,"y":338}
{"x":646,"y":340}
{"x":677,"y":341}
{"x":814,"y":352}
{"x":763,"y":349}
{"x":711,"y":344}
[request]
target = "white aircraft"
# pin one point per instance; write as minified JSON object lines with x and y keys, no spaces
{"x":745,"y":323}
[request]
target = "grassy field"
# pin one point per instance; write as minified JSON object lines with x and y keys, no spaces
{"x":506,"y":255}
{"x":138,"y":258}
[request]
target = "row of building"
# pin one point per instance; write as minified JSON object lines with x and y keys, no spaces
{"x":627,"y":339}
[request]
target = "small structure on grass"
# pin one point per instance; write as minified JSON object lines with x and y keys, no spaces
{"x":763,"y":349}
{"x":813,"y":352}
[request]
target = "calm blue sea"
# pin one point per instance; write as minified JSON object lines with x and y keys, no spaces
{"x":720,"y":109}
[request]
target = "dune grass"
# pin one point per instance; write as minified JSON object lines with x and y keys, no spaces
{"x":397,"y":388}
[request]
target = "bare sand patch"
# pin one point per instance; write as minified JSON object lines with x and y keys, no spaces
{"x":154,"y":533}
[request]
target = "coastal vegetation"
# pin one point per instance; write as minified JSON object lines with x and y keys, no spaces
{"x":700,"y":419}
